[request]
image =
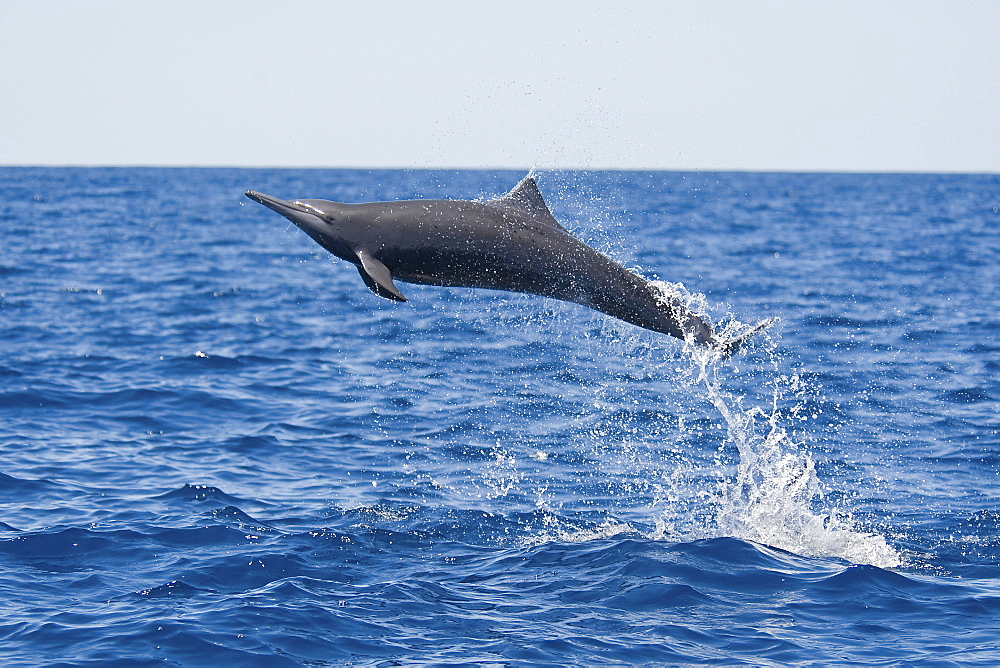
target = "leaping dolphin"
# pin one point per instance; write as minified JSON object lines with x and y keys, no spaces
{"x":512,"y":243}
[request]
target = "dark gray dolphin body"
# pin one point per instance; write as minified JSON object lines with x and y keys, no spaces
{"x":512,"y":243}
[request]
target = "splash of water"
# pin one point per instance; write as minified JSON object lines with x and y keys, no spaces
{"x":771,"y":498}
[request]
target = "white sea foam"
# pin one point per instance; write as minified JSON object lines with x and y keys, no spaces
{"x":556,"y":529}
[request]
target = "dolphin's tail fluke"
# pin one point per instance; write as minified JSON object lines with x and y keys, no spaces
{"x":726,"y":348}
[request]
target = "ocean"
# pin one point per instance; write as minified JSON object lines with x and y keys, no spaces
{"x":217,"y":447}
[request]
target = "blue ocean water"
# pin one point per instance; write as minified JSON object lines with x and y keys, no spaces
{"x":217,"y":447}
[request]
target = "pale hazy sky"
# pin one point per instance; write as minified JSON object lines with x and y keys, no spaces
{"x":850,"y":85}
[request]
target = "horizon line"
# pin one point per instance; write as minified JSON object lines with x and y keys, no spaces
{"x":412,"y":168}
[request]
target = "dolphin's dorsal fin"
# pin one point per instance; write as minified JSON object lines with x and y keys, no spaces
{"x":378,"y":278}
{"x":526,"y":196}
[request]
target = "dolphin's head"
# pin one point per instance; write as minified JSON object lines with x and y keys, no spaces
{"x":321,"y":219}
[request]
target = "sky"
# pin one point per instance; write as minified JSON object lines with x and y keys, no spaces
{"x":803,"y":85}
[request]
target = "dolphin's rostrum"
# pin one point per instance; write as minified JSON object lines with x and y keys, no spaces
{"x":511,"y":243}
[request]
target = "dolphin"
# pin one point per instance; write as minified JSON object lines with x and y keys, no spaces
{"x":511,"y":243}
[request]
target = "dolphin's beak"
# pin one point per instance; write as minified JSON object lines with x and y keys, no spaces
{"x":306,"y":218}
{"x":303,"y":215}
{"x":273,"y":203}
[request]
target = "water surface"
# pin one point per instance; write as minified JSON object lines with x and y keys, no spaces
{"x":217,"y":447}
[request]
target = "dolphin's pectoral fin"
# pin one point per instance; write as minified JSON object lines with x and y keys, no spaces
{"x":526,"y":196}
{"x":378,"y":278}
